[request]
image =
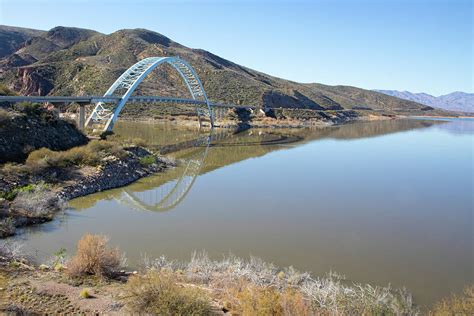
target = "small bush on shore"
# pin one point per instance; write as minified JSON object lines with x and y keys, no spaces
{"x":36,"y":201}
{"x":88,"y":155}
{"x":156,"y":293}
{"x":7,"y":227}
{"x":147,"y":160}
{"x":94,"y":257}
{"x":456,"y":304}
{"x":330,"y":295}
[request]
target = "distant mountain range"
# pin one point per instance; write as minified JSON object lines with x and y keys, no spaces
{"x":75,"y":61}
{"x":456,"y":101}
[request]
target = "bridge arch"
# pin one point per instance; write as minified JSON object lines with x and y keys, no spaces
{"x":176,"y":191}
{"x":132,"y":78}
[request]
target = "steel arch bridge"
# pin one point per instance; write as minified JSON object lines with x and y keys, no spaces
{"x":126,"y":84}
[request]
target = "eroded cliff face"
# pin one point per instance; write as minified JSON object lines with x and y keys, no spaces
{"x":33,"y":81}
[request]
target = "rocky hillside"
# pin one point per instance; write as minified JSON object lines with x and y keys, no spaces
{"x":39,"y":128}
{"x":71,"y":61}
{"x":455,"y":101}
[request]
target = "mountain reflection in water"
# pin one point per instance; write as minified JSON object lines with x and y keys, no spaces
{"x":381,"y":202}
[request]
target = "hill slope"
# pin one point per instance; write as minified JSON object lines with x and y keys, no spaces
{"x":71,"y":61}
{"x":455,"y":101}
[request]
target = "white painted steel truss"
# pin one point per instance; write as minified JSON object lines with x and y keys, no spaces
{"x":134,"y":75}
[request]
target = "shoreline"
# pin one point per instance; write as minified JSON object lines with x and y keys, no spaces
{"x":69,"y":183}
{"x":118,"y":172}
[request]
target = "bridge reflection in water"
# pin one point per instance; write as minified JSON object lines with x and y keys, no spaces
{"x":172,"y":187}
{"x":197,"y":154}
{"x":169,"y":194}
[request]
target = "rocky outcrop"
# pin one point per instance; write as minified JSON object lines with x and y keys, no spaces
{"x":115,"y":173}
{"x":34,"y":81}
{"x":21,"y":133}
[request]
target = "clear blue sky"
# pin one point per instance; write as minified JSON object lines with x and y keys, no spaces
{"x":414,"y":45}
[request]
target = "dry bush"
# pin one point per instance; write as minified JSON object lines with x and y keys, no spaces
{"x":294,"y":303}
{"x":456,"y":304}
{"x":156,"y":293}
{"x":330,"y":295}
{"x":7,"y":227}
{"x":245,"y":298}
{"x":88,"y":155}
{"x":5,"y":117}
{"x":11,"y":250}
{"x":37,"y":201}
{"x":94,"y":257}
{"x":255,"y":300}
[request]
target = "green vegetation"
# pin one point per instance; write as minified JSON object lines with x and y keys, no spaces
{"x":94,"y":257}
{"x":157,"y":293}
{"x":85,"y":293}
{"x":11,"y":195}
{"x":148,"y":160}
{"x":4,"y":91}
{"x":59,"y":258}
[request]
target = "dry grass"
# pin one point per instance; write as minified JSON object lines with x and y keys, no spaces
{"x":36,"y":201}
{"x":156,"y":293}
{"x":244,"y":298}
{"x":94,"y":257}
{"x":7,"y":227}
{"x":5,"y":116}
{"x":91,"y":154}
{"x":11,"y":250}
{"x":285,"y":291}
{"x":456,"y":304}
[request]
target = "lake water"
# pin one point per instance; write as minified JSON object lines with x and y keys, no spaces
{"x":379,"y":202}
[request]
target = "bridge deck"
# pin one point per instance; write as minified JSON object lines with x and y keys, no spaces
{"x":113,"y":99}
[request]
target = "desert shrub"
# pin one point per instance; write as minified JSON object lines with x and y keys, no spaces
{"x":29,"y":108}
{"x":299,"y":293}
{"x":456,"y":304}
{"x":7,"y":227}
{"x":94,"y":257}
{"x":36,"y":201}
{"x":8,"y":195}
{"x":5,"y":91}
{"x":108,"y":147}
{"x":244,"y":298}
{"x":40,"y":158}
{"x":147,"y":160}
{"x":88,"y":155}
{"x":294,"y":303}
{"x":157,"y":294}
{"x":85,"y":293}
{"x":255,"y":300}
{"x":14,"y":168}
{"x":11,"y":250}
{"x":4,"y":117}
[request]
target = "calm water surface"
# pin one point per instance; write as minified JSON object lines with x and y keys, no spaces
{"x":380,"y":202}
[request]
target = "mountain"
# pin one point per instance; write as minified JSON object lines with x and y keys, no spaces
{"x":73,"y":61}
{"x":11,"y":38}
{"x":456,"y":101}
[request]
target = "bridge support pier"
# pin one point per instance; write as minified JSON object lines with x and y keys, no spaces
{"x":82,"y":115}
